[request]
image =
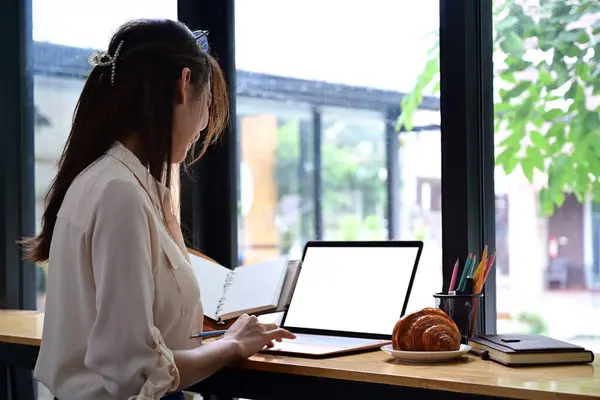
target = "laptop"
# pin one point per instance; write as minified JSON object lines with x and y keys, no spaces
{"x":348,"y":296}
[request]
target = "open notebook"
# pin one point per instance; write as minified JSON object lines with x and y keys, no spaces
{"x":249,"y":289}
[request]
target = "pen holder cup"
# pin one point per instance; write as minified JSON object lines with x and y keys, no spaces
{"x":463,"y":310}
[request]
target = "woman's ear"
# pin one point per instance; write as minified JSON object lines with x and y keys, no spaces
{"x":182,"y":89}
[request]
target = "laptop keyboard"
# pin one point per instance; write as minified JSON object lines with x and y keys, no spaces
{"x":329,"y":340}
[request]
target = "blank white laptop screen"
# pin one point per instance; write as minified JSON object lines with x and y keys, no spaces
{"x":351,"y":289}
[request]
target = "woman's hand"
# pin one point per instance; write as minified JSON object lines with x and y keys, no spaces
{"x":250,"y":336}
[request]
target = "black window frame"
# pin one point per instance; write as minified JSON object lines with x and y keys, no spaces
{"x":17,"y":202}
{"x":209,"y":187}
{"x":467,"y":119}
{"x":17,"y":198}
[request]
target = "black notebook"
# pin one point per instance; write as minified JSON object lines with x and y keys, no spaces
{"x":523,"y":349}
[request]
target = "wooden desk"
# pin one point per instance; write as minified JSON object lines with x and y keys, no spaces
{"x":21,"y":327}
{"x":369,"y":375}
{"x":20,"y":334}
{"x":376,"y":375}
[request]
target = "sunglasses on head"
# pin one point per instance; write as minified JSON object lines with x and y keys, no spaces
{"x":202,"y":39}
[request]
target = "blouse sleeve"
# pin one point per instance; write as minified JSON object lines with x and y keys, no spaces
{"x":124,"y":346}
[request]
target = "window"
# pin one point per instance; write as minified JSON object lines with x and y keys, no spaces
{"x":274,"y":179}
{"x":354,"y":174}
{"x":319,"y":153}
{"x":546,"y":105}
{"x":60,"y":58}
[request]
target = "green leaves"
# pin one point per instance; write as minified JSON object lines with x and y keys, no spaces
{"x":563,"y":135}
{"x":410,"y":103}
{"x":543,"y":116}
{"x":591,"y":121}
{"x":552,"y":114}
{"x":513,"y":44}
{"x":596,"y":28}
{"x":539,"y":141}
{"x":571,"y":37}
{"x":507,"y":24}
{"x":508,"y":158}
{"x":545,"y":77}
{"x":516,"y":91}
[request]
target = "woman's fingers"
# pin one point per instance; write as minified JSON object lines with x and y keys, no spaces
{"x":269,"y":326}
{"x":243,"y":317}
{"x":280,"y":333}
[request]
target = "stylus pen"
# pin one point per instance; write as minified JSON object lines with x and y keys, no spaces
{"x":207,"y":334}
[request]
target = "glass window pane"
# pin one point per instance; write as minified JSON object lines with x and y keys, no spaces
{"x":354,"y":175}
{"x":275,"y":185}
{"x":318,"y":140}
{"x":89,"y":24}
{"x":60,"y":59}
{"x":547,"y":223}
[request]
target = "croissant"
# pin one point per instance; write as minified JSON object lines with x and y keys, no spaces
{"x":430,"y":329}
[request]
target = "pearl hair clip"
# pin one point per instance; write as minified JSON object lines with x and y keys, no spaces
{"x":103,"y":59}
{"x":202,"y":39}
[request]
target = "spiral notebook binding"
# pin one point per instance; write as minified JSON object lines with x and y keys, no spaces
{"x":226,"y":284}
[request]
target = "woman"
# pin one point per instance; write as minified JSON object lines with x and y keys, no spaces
{"x":122,"y":299}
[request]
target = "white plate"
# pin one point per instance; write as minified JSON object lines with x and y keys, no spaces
{"x":426,"y":356}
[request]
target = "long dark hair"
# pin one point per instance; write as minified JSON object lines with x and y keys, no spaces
{"x":149,"y":63}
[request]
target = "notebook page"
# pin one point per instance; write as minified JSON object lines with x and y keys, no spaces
{"x":255,"y":288}
{"x":211,"y":278}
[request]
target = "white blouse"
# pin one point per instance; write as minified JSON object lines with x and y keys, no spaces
{"x":121,"y":292}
